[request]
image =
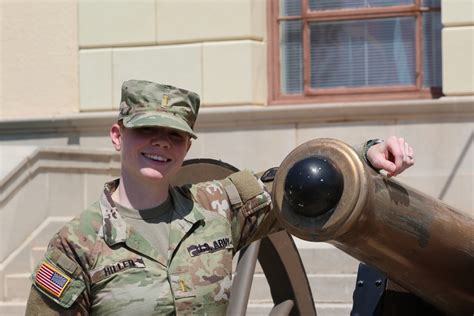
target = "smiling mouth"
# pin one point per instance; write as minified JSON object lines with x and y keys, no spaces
{"x":156,"y":158}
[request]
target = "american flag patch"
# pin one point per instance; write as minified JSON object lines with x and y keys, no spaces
{"x":51,"y":279}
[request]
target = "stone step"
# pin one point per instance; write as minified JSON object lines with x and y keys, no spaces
{"x":325,"y":258}
{"x":322,"y":309}
{"x":36,"y":256}
{"x":13,"y":308}
{"x":326,"y":288}
{"x":19,"y":308}
{"x":331,"y":273}
{"x":319,"y":258}
{"x":25,"y":257}
{"x":17,"y":287}
{"x":43,"y":237}
{"x":320,"y":264}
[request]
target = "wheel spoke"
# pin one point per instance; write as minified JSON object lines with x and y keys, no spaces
{"x":282,"y":309}
{"x":240,"y":292}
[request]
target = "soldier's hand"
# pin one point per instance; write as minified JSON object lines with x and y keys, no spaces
{"x":394,"y":155}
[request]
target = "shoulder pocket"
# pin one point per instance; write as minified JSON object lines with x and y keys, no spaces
{"x":58,"y":277}
{"x":255,"y":204}
{"x":252,"y":192}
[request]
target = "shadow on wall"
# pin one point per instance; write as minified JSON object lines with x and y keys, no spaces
{"x":453,"y":173}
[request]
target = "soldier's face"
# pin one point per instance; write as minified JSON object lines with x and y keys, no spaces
{"x":150,"y":153}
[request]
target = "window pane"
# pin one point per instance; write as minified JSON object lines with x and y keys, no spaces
{"x":432,"y":49}
{"x":290,"y":7}
{"x":363,"y":53}
{"x":431,"y":3}
{"x":291,"y":52}
{"x":353,"y":4}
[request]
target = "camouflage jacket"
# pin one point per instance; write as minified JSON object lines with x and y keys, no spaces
{"x":99,"y":264}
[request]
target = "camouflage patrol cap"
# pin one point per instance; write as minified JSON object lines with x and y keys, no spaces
{"x":146,"y":104}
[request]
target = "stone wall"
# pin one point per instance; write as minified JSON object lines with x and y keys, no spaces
{"x":215,"y":48}
{"x":458,"y":47}
{"x":62,"y":65}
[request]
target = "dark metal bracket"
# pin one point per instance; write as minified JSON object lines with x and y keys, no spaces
{"x":368,"y":293}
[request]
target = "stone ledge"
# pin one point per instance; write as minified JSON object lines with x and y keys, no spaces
{"x":447,"y":108}
{"x":16,"y":286}
{"x":12,"y":308}
{"x":323,"y":309}
{"x":326,"y":288}
{"x":64,"y":159}
{"x":18,"y":308}
{"x":4,"y":264}
{"x":420,"y":110}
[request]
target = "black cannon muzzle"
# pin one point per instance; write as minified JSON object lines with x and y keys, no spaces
{"x":313,"y":186}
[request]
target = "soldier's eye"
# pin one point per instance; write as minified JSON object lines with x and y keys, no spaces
{"x":177,"y":137}
{"x":147,"y":130}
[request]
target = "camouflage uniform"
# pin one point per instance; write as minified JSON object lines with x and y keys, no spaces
{"x":112,"y":269}
{"x":100,"y":264}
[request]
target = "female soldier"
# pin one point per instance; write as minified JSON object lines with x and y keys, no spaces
{"x":149,"y":248}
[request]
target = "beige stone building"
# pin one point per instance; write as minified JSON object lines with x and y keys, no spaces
{"x":271,"y":74}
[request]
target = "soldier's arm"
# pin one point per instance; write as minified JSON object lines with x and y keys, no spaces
{"x":242,"y":199}
{"x":39,"y":304}
{"x":60,"y":284}
{"x":393,"y":155}
{"x":251,"y":204}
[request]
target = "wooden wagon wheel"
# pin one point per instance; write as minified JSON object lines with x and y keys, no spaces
{"x":277,"y":255}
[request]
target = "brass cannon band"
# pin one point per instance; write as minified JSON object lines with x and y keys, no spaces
{"x":422,"y":244}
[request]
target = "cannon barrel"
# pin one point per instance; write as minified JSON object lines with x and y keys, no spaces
{"x":419,"y":242}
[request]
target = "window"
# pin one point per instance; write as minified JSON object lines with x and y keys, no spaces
{"x":324,"y":50}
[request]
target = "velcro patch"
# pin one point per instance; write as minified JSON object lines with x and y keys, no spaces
{"x":51,"y":279}
{"x":233,"y":195}
{"x":246,"y":184}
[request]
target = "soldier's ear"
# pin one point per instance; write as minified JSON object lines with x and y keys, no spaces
{"x":116,"y":136}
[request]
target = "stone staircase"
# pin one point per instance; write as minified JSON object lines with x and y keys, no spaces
{"x":40,"y":190}
{"x":331,"y":274}
{"x":15,"y":271}
{"x":65,"y":172}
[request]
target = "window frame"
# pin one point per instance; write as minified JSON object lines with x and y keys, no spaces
{"x":309,"y":95}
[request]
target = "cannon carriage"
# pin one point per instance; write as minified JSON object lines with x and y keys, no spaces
{"x":416,"y":251}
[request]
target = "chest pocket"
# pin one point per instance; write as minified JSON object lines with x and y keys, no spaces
{"x":202,"y":269}
{"x":113,"y":274}
{"x":210,"y":261}
{"x":126,"y":288}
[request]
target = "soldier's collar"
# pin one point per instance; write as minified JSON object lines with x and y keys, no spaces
{"x":114,"y":229}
